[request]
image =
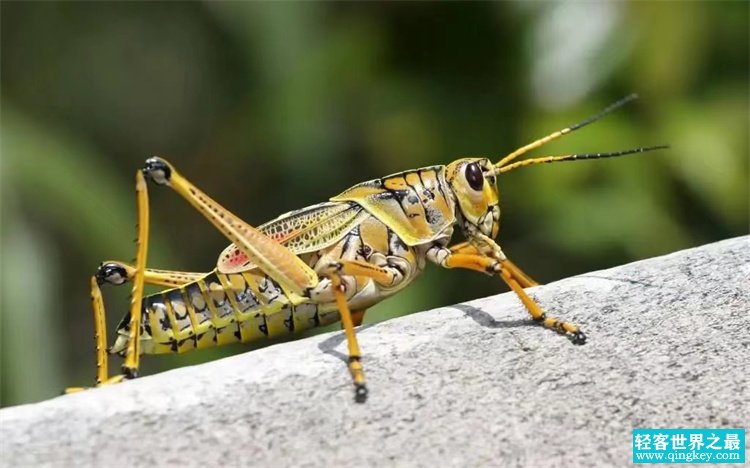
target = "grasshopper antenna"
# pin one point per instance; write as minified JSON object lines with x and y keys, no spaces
{"x":576,"y":157}
{"x":554,"y":136}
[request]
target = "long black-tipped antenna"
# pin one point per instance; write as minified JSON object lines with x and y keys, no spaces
{"x":575,"y":157}
{"x":564,"y":131}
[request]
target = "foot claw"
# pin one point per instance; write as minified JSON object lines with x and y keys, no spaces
{"x":360,"y":393}
{"x":578,"y":338}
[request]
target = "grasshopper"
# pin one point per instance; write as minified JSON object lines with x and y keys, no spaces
{"x":320,"y":264}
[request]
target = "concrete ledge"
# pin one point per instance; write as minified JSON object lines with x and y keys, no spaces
{"x":466,"y":385}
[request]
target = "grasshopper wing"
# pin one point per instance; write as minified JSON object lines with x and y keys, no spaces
{"x":301,"y":231}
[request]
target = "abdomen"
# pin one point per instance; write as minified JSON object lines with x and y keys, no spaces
{"x":220,"y":309}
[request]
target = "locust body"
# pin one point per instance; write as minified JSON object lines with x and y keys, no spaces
{"x":398,"y":223}
{"x":320,"y":264}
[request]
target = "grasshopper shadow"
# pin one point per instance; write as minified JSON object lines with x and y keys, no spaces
{"x":329,"y":345}
{"x":488,"y":321}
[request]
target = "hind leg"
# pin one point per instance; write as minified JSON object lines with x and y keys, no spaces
{"x":100,"y":337}
{"x":132,"y":355}
{"x":130,"y":366}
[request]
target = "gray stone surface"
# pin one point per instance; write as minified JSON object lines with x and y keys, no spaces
{"x":474,"y":384}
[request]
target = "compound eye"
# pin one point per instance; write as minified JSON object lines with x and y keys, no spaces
{"x":474,"y":176}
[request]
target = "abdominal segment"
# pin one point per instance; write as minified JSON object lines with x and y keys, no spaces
{"x":220,"y":309}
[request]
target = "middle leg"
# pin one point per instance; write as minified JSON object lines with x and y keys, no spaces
{"x":349,"y":320}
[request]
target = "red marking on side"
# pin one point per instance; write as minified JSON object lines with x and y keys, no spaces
{"x":237,"y":259}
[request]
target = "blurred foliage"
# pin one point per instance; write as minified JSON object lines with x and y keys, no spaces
{"x":274,"y":106}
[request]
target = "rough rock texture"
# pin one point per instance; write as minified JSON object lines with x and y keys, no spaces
{"x":475,"y":384}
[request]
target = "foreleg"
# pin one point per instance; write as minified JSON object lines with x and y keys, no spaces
{"x":502,"y":266}
{"x":522,"y":278}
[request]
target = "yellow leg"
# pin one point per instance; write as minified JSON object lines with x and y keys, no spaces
{"x":565,"y":328}
{"x":355,"y":356}
{"x":274,"y":259}
{"x":100,"y":333}
{"x":518,"y":275}
{"x":360,"y":268}
{"x":350,"y":319}
{"x":357,"y":317}
{"x":130,"y":367}
{"x":100,"y":337}
{"x":505,"y":269}
{"x":463,"y":247}
{"x":133,"y":352}
{"x":115,"y":272}
{"x":523,"y":279}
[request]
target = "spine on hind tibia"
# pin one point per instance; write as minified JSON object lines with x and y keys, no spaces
{"x":215,"y":310}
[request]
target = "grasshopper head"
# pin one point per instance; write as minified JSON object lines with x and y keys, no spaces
{"x":474,"y":185}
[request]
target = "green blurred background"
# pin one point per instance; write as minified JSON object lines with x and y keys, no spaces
{"x":272,"y":107}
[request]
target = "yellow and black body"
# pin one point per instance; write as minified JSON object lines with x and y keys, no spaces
{"x":321,"y":264}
